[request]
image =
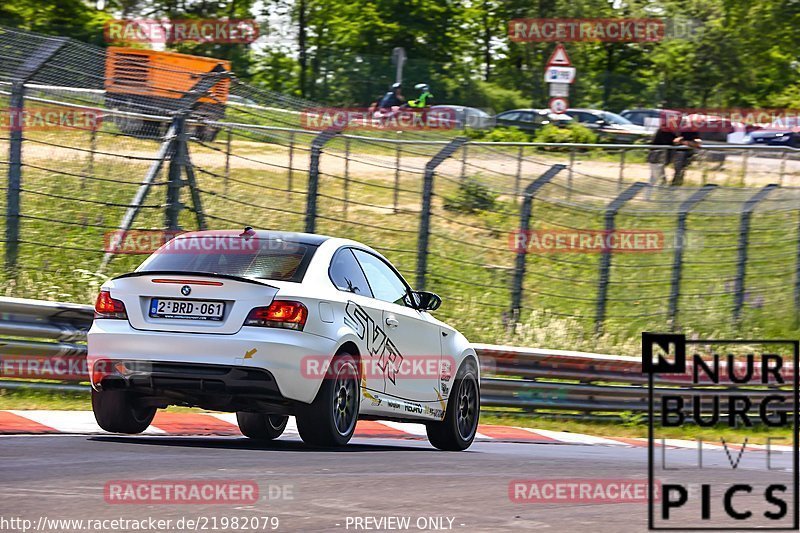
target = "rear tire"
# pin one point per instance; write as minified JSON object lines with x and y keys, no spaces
{"x":259,"y":426}
{"x":457,"y":431}
{"x":119,"y":412}
{"x":331,"y":419}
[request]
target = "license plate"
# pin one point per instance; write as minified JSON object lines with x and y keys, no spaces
{"x":186,"y":309}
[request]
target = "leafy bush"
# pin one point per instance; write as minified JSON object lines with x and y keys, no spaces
{"x":472,"y":196}
{"x":497,"y":135}
{"x":574,"y":133}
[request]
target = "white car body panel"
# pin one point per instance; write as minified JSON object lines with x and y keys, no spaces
{"x":329,"y":326}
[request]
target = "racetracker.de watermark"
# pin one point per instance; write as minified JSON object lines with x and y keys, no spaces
{"x":231,"y":31}
{"x":143,"y":492}
{"x":725,"y":120}
{"x":401,"y":119}
{"x":50,"y":118}
{"x":136,"y":242}
{"x":389,"y":364}
{"x":586,"y":241}
{"x":578,"y":491}
{"x":44,"y":367}
{"x":582,"y":30}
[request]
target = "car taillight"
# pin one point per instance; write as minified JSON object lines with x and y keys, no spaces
{"x":100,"y":369}
{"x":108,"y":307}
{"x":280,"y":314}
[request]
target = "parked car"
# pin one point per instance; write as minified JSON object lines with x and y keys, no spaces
{"x":270,"y":324}
{"x":531,"y":119}
{"x":711,"y":127}
{"x":609,"y":126}
{"x":467,"y":117}
{"x":781,"y":132}
{"x":650,"y":118}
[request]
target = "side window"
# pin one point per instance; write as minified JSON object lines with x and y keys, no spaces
{"x":347,"y":275}
{"x":510,"y":116}
{"x":384,"y":283}
{"x":526,"y":116}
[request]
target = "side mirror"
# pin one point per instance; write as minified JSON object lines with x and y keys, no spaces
{"x":426,"y":301}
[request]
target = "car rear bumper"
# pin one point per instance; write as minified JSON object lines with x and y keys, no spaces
{"x":262,"y":361}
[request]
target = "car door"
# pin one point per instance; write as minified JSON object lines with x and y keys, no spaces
{"x":413,"y":372}
{"x":360,"y":313}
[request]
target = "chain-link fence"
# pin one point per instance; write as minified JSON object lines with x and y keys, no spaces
{"x":560,"y":240}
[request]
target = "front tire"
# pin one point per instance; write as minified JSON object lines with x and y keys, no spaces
{"x":259,"y":426}
{"x":119,"y":412}
{"x":457,"y":431}
{"x":331,"y":419}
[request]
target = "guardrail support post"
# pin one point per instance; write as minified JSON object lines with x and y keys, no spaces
{"x":744,"y":234}
{"x":427,"y":195}
{"x":524,"y":226}
{"x":677,"y":262}
{"x":605,"y":260}
{"x":313,"y":177}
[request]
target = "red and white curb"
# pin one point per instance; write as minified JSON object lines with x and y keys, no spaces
{"x":224,"y":424}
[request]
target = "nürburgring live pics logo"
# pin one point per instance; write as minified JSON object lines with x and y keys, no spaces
{"x":723,"y":385}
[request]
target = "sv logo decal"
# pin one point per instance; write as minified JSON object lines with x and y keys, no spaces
{"x":377,"y":341}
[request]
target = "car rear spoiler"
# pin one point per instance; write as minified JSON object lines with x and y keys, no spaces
{"x":141,"y":273}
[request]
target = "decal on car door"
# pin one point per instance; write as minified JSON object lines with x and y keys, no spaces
{"x":377,"y":341}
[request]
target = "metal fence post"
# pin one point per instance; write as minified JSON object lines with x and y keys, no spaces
{"x":605,"y":260}
{"x":396,"y":175}
{"x":14,"y":174}
{"x":783,"y":167}
{"x":425,"y":216}
{"x":745,"y":158}
{"x":346,"y":175}
{"x":569,"y":176}
{"x":92,"y":150}
{"x":313,"y":177}
{"x":524,"y":226}
{"x":291,"y":162}
{"x":174,"y":180}
{"x":622,"y":155}
{"x":33,"y":63}
{"x":744,"y":234}
{"x":464,"y":161}
{"x":141,"y":193}
{"x":228,"y":158}
{"x":677,"y":262}
{"x":518,"y":177}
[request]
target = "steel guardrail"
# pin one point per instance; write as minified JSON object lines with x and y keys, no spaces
{"x":528,"y":380}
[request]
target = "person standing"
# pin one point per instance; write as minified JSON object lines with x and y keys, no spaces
{"x":690,"y":138}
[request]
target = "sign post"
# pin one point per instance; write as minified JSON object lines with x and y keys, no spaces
{"x":559,"y":74}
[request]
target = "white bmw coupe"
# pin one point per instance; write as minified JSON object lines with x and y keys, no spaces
{"x":268,"y":325}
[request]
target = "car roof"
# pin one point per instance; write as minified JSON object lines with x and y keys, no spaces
{"x":289,"y":236}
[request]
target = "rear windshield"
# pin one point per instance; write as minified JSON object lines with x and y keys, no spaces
{"x":258,"y":258}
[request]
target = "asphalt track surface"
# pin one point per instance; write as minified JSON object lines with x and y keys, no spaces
{"x":63,"y":477}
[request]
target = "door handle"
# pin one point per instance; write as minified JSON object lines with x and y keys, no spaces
{"x":392,"y":322}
